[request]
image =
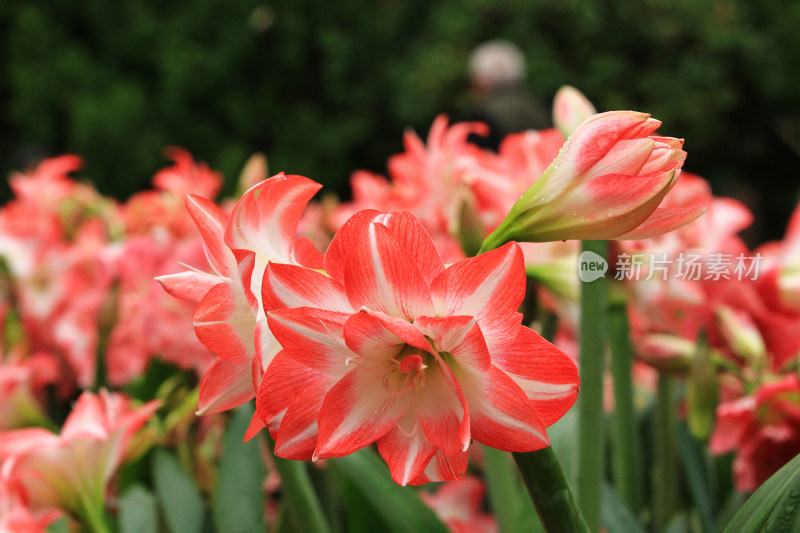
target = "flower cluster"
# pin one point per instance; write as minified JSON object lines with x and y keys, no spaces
{"x":406,"y":321}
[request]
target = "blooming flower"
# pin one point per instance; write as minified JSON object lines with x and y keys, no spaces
{"x":763,"y":429}
{"x":71,"y":471}
{"x":229,"y":319}
{"x":459,"y":505}
{"x":392,"y":347}
{"x":606,"y":183}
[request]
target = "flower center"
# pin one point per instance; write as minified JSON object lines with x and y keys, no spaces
{"x":406,"y":371}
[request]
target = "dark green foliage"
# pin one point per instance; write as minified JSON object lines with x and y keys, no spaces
{"x":325,"y":91}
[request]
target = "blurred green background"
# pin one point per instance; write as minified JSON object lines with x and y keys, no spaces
{"x":326,"y":88}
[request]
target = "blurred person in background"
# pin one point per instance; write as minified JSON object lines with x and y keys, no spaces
{"x":497,"y":73}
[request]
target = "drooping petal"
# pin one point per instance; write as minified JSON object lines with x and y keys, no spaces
{"x":224,"y":323}
{"x":292,"y":388}
{"x":406,"y":450}
{"x":225,"y":385}
{"x":356,"y":412}
{"x":189,"y":285}
{"x":443,"y":467}
{"x":501,"y":415}
{"x":546,"y":374}
{"x":442,"y":410}
{"x":663,"y":220}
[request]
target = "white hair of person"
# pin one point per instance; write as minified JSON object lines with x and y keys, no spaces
{"x":497,"y":63}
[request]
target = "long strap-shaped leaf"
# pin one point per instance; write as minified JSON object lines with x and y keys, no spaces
{"x":774,"y":507}
{"x":401,"y":508}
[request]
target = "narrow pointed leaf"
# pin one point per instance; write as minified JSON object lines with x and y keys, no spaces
{"x":755,"y":514}
{"x":138,"y":511}
{"x":177,"y":495}
{"x":400,"y":507}
{"x":617,"y":517}
{"x":239,"y":503}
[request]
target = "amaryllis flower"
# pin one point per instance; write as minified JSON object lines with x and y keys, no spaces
{"x":71,"y":471}
{"x":389,"y":346}
{"x":229,"y":319}
{"x":459,"y":504}
{"x":763,"y":429}
{"x":15,"y":516}
{"x":606,"y":183}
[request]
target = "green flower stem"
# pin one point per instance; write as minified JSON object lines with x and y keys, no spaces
{"x":592,"y":343}
{"x":550,"y":492}
{"x":665,"y":484}
{"x":303,"y":506}
{"x":93,"y":515}
{"x":503,"y":488}
{"x":626,"y":452}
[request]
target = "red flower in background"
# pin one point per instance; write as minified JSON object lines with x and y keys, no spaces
{"x":762,"y":428}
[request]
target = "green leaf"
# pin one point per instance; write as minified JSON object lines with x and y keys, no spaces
{"x":239,"y":501}
{"x":400,"y":507}
{"x":177,"y":495}
{"x":772,"y":505}
{"x":138,"y":511}
{"x":59,"y":526}
{"x":699,"y":477}
{"x":616,"y":516}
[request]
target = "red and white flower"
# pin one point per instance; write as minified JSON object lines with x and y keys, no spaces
{"x":606,"y":183}
{"x":389,"y":346}
{"x":229,"y":319}
{"x":71,"y":471}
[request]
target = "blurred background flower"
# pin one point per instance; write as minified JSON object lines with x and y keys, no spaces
{"x":324,"y":93}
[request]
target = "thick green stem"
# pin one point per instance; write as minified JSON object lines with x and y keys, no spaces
{"x":665,"y":482}
{"x":93,"y":515}
{"x":503,"y":487}
{"x":550,"y":492}
{"x":303,"y":506}
{"x":591,"y":443}
{"x":626,"y":452}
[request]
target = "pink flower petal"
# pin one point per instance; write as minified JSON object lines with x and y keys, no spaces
{"x":224,"y":323}
{"x":501,"y":415}
{"x":489,"y":287}
{"x":287,"y":286}
{"x":663,"y":220}
{"x":314,"y":337}
{"x":406,"y":450}
{"x":225,"y":385}
{"x":190,"y":285}
{"x":546,"y":374}
{"x":357,"y":411}
{"x":211,"y":221}
{"x":265,"y":219}
{"x":383,"y":277}
{"x":443,"y":467}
